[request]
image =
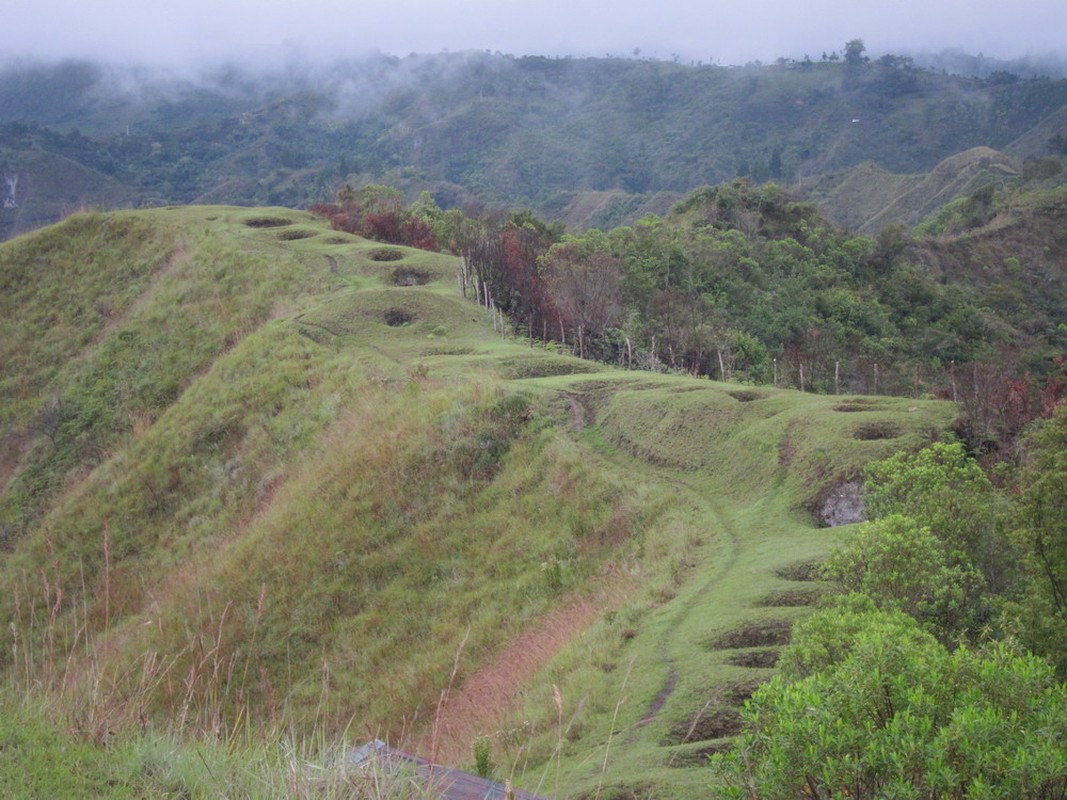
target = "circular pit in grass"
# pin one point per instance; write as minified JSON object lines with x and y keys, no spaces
{"x":697,"y":757}
{"x":409,"y":276}
{"x":764,"y":658}
{"x":268,"y":222}
{"x":872,"y":431}
{"x":292,"y":236}
{"x":800,"y":570}
{"x":398,"y":317}
{"x":792,"y":598}
{"x":712,"y":723}
{"x":756,"y":634}
{"x":386,"y":254}
{"x":745,"y":396}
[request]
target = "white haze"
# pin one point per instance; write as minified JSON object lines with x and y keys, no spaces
{"x":195,"y":32}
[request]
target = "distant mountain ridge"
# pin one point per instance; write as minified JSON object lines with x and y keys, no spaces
{"x":594,"y":141}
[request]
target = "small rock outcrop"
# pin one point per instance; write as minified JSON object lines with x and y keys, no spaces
{"x":843,"y":505}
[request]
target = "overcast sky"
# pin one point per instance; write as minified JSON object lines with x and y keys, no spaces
{"x":725,"y":32}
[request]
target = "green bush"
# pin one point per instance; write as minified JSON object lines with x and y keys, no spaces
{"x":886,"y":711}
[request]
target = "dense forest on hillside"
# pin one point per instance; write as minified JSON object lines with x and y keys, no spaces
{"x":590,"y":141}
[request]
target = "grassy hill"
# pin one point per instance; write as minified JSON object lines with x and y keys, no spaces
{"x":867,"y":198}
{"x":49,"y":186}
{"x":259,"y":476}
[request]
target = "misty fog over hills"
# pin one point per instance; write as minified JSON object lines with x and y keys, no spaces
{"x":591,"y":141}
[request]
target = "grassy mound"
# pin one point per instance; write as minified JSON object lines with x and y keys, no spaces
{"x":253,"y":482}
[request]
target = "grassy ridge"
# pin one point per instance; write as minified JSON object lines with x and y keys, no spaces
{"x":313,"y":485}
{"x":158,"y":309}
{"x":719,"y":578}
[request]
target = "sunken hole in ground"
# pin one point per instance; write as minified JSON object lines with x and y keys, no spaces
{"x":268,"y":222}
{"x":792,"y":598}
{"x":800,"y":571}
{"x":758,"y":659}
{"x":697,"y":757}
{"x":292,"y":236}
{"x":712,"y":723}
{"x":872,"y":431}
{"x":409,"y":276}
{"x":852,"y":404}
{"x":398,"y":317}
{"x":385,"y":254}
{"x":761,"y":634}
{"x":716,"y":721}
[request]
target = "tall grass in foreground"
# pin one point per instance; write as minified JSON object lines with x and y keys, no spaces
{"x":70,"y":728}
{"x":40,"y":759}
{"x":75,"y":732}
{"x":420,"y":513}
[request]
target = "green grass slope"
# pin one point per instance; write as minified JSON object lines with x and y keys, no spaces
{"x":258,"y":476}
{"x":1016,"y":260}
{"x":50,"y":186}
{"x":868,"y":199}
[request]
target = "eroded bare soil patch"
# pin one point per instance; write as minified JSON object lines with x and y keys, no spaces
{"x":480,"y":706}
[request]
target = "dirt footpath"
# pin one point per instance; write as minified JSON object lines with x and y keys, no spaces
{"x":479,"y":707}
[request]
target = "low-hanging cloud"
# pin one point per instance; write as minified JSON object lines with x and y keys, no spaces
{"x":729,"y":32}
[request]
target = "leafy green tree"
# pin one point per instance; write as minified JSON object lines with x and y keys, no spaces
{"x":944,"y":489}
{"x":899,"y":564}
{"x":854,"y":52}
{"x":880,"y":709}
{"x":1042,"y":534}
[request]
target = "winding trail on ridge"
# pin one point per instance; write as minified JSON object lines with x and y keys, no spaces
{"x":481,"y":705}
{"x":732,"y":545}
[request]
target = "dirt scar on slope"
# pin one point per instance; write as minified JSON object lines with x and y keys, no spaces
{"x":480,"y":707}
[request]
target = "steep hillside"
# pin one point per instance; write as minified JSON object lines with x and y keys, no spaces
{"x":867,"y":199}
{"x":257,"y":473}
{"x":1017,"y":260}
{"x":40,"y":187}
